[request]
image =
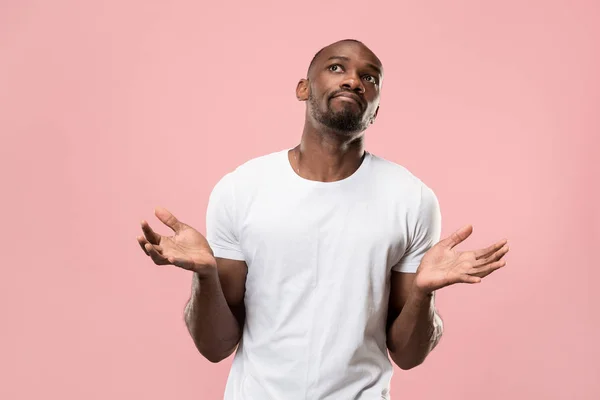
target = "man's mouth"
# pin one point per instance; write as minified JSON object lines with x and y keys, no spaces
{"x":351,"y":97}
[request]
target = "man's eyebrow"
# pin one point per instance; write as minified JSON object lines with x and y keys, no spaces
{"x":372,"y":66}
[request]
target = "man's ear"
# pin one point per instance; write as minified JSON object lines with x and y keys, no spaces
{"x":302,"y":90}
{"x":374,"y":115}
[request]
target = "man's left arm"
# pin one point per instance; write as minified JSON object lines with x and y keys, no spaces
{"x":414,"y":327}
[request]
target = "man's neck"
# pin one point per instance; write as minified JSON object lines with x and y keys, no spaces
{"x":326,"y":156}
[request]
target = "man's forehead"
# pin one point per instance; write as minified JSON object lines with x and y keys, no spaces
{"x":349,"y":50}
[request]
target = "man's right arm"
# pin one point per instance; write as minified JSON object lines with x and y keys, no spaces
{"x":215,"y":312}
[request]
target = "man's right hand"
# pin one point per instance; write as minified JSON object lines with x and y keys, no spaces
{"x":187,"y":249}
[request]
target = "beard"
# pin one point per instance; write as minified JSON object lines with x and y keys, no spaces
{"x":348,"y":120}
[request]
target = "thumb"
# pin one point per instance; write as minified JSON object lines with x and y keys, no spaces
{"x":457,"y":237}
{"x":168,"y":219}
{"x":182,"y":262}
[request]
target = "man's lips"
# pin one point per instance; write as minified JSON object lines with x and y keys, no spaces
{"x":350,"y":96}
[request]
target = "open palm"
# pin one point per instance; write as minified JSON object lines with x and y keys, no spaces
{"x":443,"y":265}
{"x":186,"y":249}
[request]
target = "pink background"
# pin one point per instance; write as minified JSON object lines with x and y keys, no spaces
{"x":110,"y":108}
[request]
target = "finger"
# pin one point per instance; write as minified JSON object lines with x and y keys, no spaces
{"x":482,"y":272}
{"x":493,"y":257}
{"x":142,"y":242}
{"x":158,"y":258}
{"x":489,"y":250}
{"x":470,"y":279}
{"x":457,"y":237}
{"x":168,"y":219}
{"x":151,"y":236}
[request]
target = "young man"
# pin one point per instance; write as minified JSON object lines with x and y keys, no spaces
{"x":320,"y":260}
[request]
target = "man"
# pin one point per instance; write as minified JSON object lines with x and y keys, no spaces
{"x":320,"y":260}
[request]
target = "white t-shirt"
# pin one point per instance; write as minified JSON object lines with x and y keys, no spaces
{"x":319,"y":258}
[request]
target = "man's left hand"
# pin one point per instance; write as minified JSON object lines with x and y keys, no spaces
{"x":443,"y":265}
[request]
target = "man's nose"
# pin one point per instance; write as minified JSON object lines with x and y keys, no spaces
{"x":353,"y":83}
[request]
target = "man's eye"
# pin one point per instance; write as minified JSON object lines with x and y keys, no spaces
{"x":370,"y":78}
{"x":335,"y":67}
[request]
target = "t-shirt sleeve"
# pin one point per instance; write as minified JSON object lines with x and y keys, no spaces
{"x":221,"y":222}
{"x":426,"y":231}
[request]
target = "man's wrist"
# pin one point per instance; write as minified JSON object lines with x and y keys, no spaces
{"x":206,"y":272}
{"x":420,"y":294}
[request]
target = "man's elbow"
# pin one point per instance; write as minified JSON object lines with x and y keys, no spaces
{"x":406,"y":364}
{"x":410,"y":360}
{"x":213,"y":351}
{"x":215,"y":358}
{"x":406,"y":367}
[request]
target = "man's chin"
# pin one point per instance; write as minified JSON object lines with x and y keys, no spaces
{"x":345,"y":128}
{"x":344,"y":122}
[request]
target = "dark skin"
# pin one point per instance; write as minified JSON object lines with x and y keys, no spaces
{"x":345,"y":79}
{"x":215,"y":312}
{"x":325,"y":154}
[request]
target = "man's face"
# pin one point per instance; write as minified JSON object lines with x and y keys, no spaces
{"x":343,"y":87}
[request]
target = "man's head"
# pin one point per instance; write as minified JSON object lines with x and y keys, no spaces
{"x":342,"y":87}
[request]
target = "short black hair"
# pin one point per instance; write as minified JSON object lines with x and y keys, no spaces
{"x":312,"y":62}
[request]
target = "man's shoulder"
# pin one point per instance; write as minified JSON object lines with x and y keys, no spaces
{"x":256,"y":170}
{"x":397,"y":183}
{"x":390,"y":172}
{"x":267,"y":161}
